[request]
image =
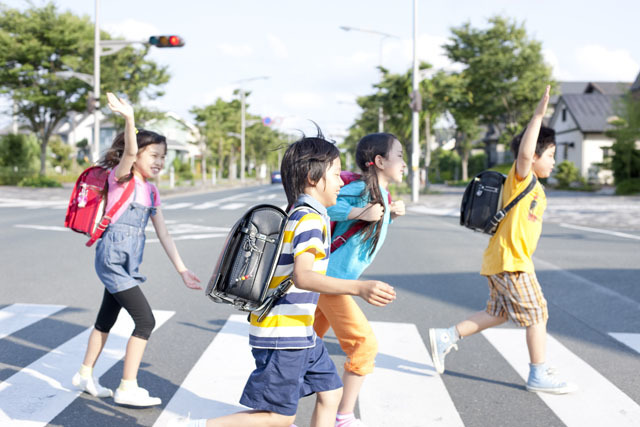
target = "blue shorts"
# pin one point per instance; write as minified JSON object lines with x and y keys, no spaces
{"x":282,"y":377}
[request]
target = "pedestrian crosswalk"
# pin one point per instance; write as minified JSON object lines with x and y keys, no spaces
{"x":404,"y":390}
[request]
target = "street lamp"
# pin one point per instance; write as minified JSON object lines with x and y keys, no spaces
{"x":383,"y":37}
{"x":243,"y":122}
{"x":415,"y":107}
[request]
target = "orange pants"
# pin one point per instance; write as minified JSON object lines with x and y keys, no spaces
{"x":342,"y":314}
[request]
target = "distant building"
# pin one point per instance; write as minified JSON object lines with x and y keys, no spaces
{"x":580,"y":121}
{"x":182,"y":136}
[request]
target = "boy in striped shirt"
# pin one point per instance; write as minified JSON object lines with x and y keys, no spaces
{"x":291,"y":361}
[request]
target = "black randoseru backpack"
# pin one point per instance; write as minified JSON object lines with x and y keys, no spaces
{"x":482,"y":201}
{"x":249,"y":259}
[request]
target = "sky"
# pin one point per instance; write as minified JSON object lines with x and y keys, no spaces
{"x":316,"y":70}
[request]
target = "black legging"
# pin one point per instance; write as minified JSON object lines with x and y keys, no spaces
{"x":134,"y":301}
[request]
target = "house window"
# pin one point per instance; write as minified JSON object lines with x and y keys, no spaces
{"x":564,"y":114}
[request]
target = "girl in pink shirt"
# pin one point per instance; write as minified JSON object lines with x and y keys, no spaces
{"x":137,"y":155}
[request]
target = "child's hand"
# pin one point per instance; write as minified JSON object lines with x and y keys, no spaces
{"x":541,"y":109}
{"x":120,"y":106}
{"x":371,"y":213}
{"x":190,"y":280}
{"x":397,"y":208}
{"x":377,"y":293}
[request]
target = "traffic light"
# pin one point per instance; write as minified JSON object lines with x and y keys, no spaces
{"x":166,"y":41}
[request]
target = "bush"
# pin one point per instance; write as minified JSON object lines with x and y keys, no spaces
{"x":503,"y":168}
{"x":39,"y":181}
{"x":444,"y":165}
{"x":567,"y":174}
{"x":477,"y":163}
{"x":628,"y":186}
{"x":18,"y":158}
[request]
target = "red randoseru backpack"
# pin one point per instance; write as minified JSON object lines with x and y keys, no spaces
{"x":85,"y":213}
{"x":348,"y":177}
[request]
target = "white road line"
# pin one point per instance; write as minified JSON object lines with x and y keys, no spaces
{"x":172,"y":206}
{"x":42,"y":227}
{"x":404,"y":389}
{"x":39,"y":392}
{"x":192,"y":237}
{"x":232,"y":206}
{"x":434,"y":211}
{"x":630,"y":340}
{"x":597,"y":403}
{"x":598,"y":230}
{"x":206,"y":205}
{"x":32,"y":204}
{"x":19,"y":316}
{"x":214,"y":385}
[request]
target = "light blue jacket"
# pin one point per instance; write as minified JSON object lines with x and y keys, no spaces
{"x":351,"y":259}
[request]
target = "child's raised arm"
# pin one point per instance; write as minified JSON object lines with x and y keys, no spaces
{"x":120,"y":106}
{"x":530,"y":138}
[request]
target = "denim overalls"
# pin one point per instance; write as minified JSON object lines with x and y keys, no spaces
{"x":119,"y":251}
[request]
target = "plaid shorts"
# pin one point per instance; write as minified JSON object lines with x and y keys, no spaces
{"x":517,"y":296}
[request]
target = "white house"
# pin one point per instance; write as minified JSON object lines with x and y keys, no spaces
{"x":580,"y":121}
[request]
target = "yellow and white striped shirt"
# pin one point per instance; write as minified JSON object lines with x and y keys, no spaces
{"x":289,"y":324}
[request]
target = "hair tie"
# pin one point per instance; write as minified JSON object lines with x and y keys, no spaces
{"x":136,"y":129}
{"x":368,"y":164}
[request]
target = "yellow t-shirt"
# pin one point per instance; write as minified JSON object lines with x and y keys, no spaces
{"x":511,"y":248}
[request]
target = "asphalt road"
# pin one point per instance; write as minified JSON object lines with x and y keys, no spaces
{"x":590,"y":279}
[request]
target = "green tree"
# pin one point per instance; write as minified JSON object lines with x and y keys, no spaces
{"x":218,"y":123}
{"x":40,"y":42}
{"x":61,"y":154}
{"x":503,"y":71}
{"x":18,"y":157}
{"x":625,"y":161}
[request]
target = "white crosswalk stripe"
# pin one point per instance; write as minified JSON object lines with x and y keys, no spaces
{"x":19,"y":316}
{"x":36,"y":394}
{"x":41,"y":391}
{"x":597,"y":403}
{"x":404,"y":365}
{"x":630,"y":340}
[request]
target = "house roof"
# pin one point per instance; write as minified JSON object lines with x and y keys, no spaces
{"x":605,"y":88}
{"x":590,"y":110}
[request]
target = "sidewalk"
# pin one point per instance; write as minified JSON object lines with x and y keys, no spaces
{"x":599,"y":210}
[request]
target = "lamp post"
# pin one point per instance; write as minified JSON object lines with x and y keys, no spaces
{"x":243,"y":122}
{"x":383,"y":37}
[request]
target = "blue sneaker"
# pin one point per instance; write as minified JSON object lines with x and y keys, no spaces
{"x":543,"y":379}
{"x":442,"y":341}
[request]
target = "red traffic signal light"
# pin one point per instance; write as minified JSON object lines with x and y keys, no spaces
{"x":166,"y":41}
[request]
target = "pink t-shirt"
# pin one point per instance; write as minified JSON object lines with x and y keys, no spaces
{"x":142,"y":194}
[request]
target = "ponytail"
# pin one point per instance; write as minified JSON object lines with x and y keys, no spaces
{"x":369,"y":147}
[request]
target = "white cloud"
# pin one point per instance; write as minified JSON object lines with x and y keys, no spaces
{"x":130,"y":29}
{"x":224,"y":92}
{"x":235,"y":50}
{"x":277,"y":46}
{"x":597,"y":62}
{"x":304,"y":100}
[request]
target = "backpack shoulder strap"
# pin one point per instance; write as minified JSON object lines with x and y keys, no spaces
{"x":106,"y":218}
{"x":499,"y":216}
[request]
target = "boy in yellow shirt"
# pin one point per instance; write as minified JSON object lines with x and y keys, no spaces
{"x":514,"y":291}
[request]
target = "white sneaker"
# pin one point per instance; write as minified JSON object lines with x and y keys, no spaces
{"x":135,"y":397}
{"x":91,"y":386}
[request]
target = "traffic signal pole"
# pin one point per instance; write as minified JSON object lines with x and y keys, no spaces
{"x":96,"y":87}
{"x":109,"y":47}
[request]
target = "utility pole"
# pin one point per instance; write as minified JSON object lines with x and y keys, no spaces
{"x":243,"y":121}
{"x":96,"y":86}
{"x":416,"y":106}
